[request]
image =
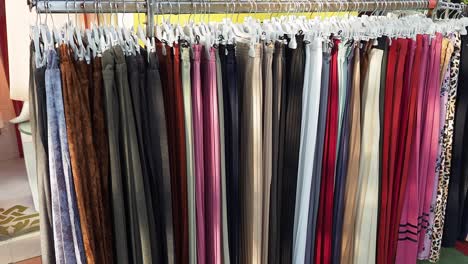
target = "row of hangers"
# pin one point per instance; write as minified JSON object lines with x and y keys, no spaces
{"x":102,"y":34}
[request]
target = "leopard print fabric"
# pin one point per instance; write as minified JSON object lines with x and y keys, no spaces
{"x":446,"y":157}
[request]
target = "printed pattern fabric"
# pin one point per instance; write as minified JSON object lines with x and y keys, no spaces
{"x":445,"y":160}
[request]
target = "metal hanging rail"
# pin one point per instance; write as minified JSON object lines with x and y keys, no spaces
{"x":216,"y":6}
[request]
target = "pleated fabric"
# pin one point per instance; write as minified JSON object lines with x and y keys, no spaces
{"x":446,"y":154}
{"x":250,"y":88}
{"x":267,"y":135}
{"x":404,"y":127}
{"x":197,"y":106}
{"x":324,"y":229}
{"x":211,"y":153}
{"x":279,"y":82}
{"x":402,"y":245}
{"x":366,"y":222}
{"x":446,"y":54}
{"x":392,"y":138}
{"x":231,"y":130}
{"x":406,"y":236}
{"x":189,"y":150}
{"x":318,"y":153}
{"x":169,"y":59}
{"x":342,"y":150}
{"x":352,"y":174}
{"x":156,"y":138}
{"x":430,"y":136}
{"x":309,"y":127}
{"x":456,"y":221}
{"x":222,"y":146}
{"x":68,"y":240}
{"x":290,"y":133}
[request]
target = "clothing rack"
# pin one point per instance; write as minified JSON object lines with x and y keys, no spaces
{"x":234,"y":6}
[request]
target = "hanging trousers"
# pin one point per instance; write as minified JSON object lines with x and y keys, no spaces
{"x":140,"y":240}
{"x":182,"y":248}
{"x":267,"y":134}
{"x":137,"y":85}
{"x":231,"y":130}
{"x":323,"y":241}
{"x":400,"y":179}
{"x":352,"y":174}
{"x":158,"y":141}
{"x":391,"y":139}
{"x":119,"y":214}
{"x":456,"y":221}
{"x":309,"y":127}
{"x":169,"y":59}
{"x":88,"y":180}
{"x":318,"y":153}
{"x":197,"y":105}
{"x":250,"y":87}
{"x":279,"y":82}
{"x":37,"y":82}
{"x":430,"y":138}
{"x":189,"y":146}
{"x":446,"y":160}
{"x":222,"y":144}
{"x":367,"y":208}
{"x":403,"y":244}
{"x":211,"y":153}
{"x":289,"y":145}
{"x":342,"y":152}
{"x":446,"y":54}
{"x":67,"y":230}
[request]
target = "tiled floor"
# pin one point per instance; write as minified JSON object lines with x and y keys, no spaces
{"x":19,"y":235}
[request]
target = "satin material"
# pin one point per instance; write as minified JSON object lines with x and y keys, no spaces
{"x":342,"y":151}
{"x":430,"y":138}
{"x":279,"y":82}
{"x":267,"y":115}
{"x":169,"y":60}
{"x":250,"y":88}
{"x":211,"y":153}
{"x":231,"y":130}
{"x":197,"y":106}
{"x":290,"y":133}
{"x":392,"y":112}
{"x":189,"y":145}
{"x":352,"y":174}
{"x":158,"y":140}
{"x":402,"y":243}
{"x":224,"y":235}
{"x":367,"y":209}
{"x":309,"y":127}
{"x":323,"y":241}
